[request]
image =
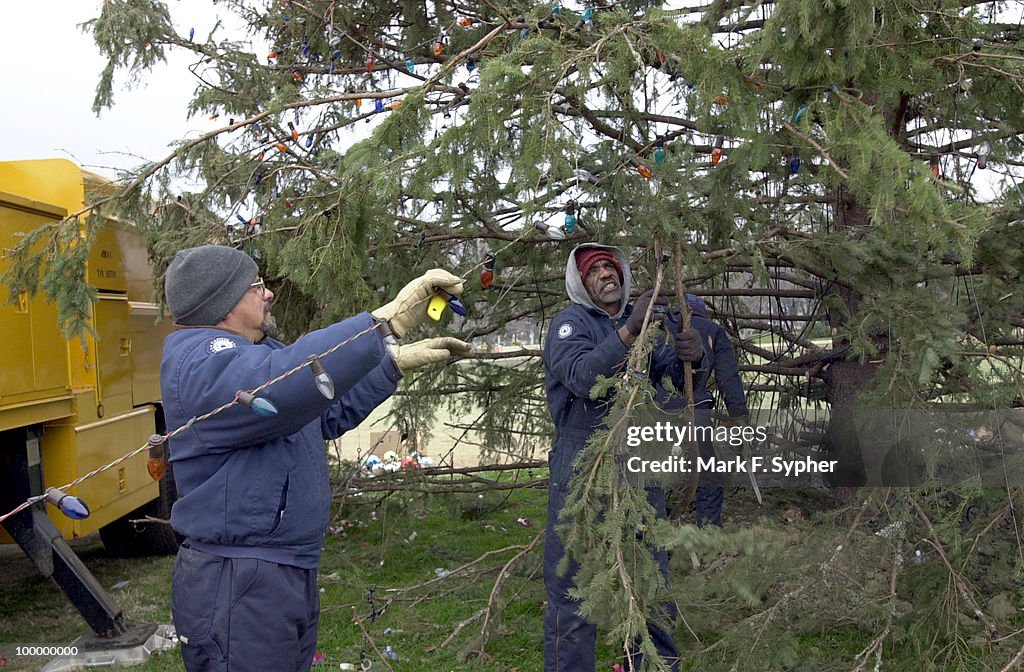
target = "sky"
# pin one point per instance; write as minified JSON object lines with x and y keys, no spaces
{"x":49,"y":79}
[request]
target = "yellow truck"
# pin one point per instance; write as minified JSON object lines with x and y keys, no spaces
{"x":68,"y":407}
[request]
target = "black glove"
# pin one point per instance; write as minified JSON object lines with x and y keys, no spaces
{"x":636,"y":318}
{"x":688,"y":347}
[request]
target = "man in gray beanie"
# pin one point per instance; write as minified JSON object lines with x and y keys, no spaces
{"x":253,"y":490}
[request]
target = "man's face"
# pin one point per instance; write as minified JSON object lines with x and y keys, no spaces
{"x":603,"y":286}
{"x":251,"y":317}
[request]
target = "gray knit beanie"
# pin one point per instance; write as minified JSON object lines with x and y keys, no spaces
{"x":203,"y":284}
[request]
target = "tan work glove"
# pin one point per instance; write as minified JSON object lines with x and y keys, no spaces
{"x":428,"y":351}
{"x":409,"y":308}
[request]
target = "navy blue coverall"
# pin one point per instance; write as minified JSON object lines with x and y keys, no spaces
{"x":582,"y":344}
{"x":253,"y":492}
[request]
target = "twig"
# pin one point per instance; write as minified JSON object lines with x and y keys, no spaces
{"x":1000,"y":515}
{"x":148,"y":519}
{"x":821,"y":150}
{"x":460,"y":568}
{"x":691,"y":486}
{"x":1014,"y":663}
{"x":455,"y":633}
{"x":492,"y":600}
{"x":358,"y":621}
{"x":875,"y":647}
{"x":963,"y":588}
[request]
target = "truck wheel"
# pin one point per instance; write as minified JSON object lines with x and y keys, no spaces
{"x":126,"y":539}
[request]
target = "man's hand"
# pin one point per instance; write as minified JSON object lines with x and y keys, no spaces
{"x":429,"y":351}
{"x":688,"y":347}
{"x":636,"y":318}
{"x":409,"y":308}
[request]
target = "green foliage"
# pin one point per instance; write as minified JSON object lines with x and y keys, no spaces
{"x":132,"y":35}
{"x":52,"y":259}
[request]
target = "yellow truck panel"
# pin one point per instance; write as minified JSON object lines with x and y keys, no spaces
{"x":95,"y":399}
{"x":70,"y":451}
{"x":34,"y":357}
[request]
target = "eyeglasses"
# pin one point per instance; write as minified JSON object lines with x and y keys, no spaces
{"x":261,"y":286}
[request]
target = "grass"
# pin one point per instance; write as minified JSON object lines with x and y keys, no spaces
{"x":35,"y":611}
{"x":383,"y":556}
{"x":386,"y":545}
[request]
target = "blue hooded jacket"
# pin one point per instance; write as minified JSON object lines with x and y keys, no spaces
{"x":252,"y":486}
{"x":582,"y":344}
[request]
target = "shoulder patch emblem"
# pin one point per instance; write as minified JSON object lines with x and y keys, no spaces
{"x":565,"y":331}
{"x":220,"y":344}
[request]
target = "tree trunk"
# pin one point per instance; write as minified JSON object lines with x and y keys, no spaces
{"x":846,"y":380}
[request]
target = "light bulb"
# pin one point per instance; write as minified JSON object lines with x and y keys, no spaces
{"x":258,"y":405}
{"x":156,"y":464}
{"x":323,"y":381}
{"x":69,"y":505}
{"x":487,"y":273}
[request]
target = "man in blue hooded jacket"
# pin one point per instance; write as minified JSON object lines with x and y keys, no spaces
{"x":591,"y":338}
{"x":253,"y":491}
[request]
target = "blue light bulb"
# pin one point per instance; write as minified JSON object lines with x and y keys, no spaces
{"x":794,"y":165}
{"x":457,"y":306}
{"x":588,"y":14}
{"x":258,"y":405}
{"x":410,"y":65}
{"x":378,"y":105}
{"x":73,"y":507}
{"x":570,"y":223}
{"x":69,"y":505}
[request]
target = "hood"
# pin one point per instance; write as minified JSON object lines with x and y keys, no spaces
{"x":574,"y":283}
{"x":697,"y":305}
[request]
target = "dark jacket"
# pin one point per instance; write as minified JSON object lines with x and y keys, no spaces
{"x":721,"y":362}
{"x":582,"y":344}
{"x":251,"y":486}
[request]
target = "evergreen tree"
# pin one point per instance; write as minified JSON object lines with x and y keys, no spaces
{"x":862,"y":157}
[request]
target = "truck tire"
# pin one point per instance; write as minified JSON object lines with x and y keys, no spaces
{"x":126,"y":539}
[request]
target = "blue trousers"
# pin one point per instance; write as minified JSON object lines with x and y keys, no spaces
{"x":569,"y":639}
{"x":243,"y":614}
{"x":710,"y":494}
